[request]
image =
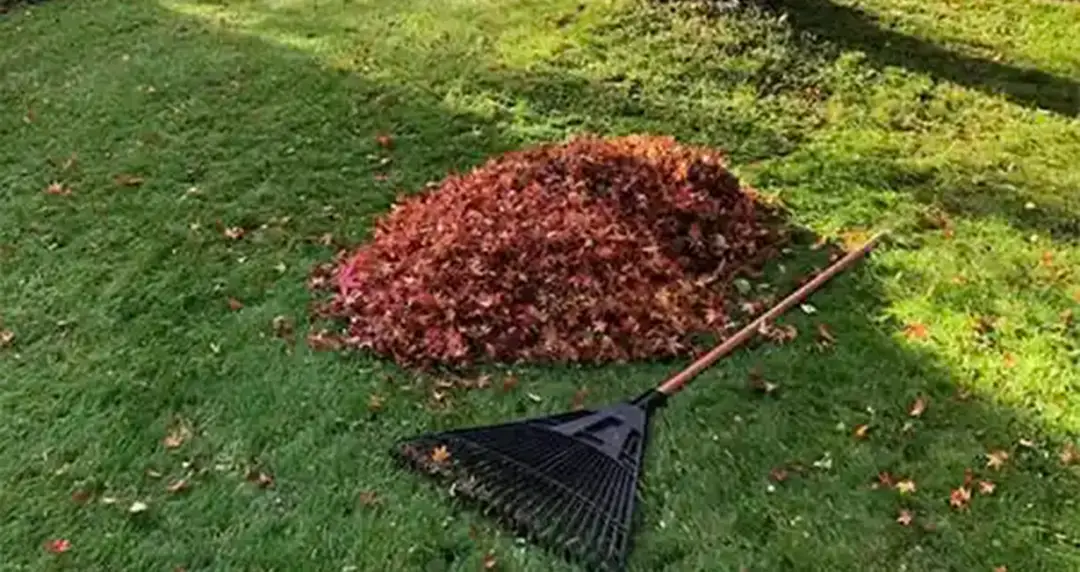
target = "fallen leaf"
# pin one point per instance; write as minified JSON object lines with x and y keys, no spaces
{"x":283,"y":327}
{"x":1070,"y":455}
{"x":825,"y":336}
{"x":780,"y":334}
{"x":109,"y":500}
{"x":153,"y":474}
{"x":7,"y":337}
{"x":1001,"y":569}
{"x":235,"y":305}
{"x":885,"y":479}
{"x":138,"y":507}
{"x":385,"y":141}
{"x":234,"y":232}
{"x":915,"y":331}
{"x":368,"y":498}
{"x":375,"y":403}
{"x":996,"y":459}
{"x":1030,"y":444}
{"x":440,"y":454}
{"x":178,"y":486}
{"x":578,"y":402}
{"x":959,"y":498}
{"x":177,"y":435}
{"x":918,"y":407}
{"x":778,"y":474}
{"x":58,"y":546}
{"x":905,"y":517}
{"x":509,"y":382}
{"x":862,"y":431}
{"x":81,"y":496}
{"x":759,"y":384}
{"x":126,"y":180}
{"x":906,"y":486}
{"x":987,"y":487}
{"x":1047,"y":258}
{"x":959,"y":279}
{"x":489,"y":561}
{"x":262,"y":479}
{"x":323,"y":340}
{"x":58,"y":189}
{"x":1009,"y":360}
{"x":1076,"y":295}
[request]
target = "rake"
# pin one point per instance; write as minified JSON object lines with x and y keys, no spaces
{"x":568,"y":482}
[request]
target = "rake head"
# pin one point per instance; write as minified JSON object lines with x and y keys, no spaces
{"x":567,"y":482}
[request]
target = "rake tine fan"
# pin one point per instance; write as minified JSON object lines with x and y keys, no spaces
{"x":568,"y":482}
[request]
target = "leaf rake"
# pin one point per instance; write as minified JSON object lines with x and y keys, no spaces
{"x":568,"y":482}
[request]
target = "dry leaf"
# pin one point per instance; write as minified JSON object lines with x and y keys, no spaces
{"x":260,"y":478}
{"x":578,"y":402}
{"x":886,"y":479}
{"x":986,"y":487}
{"x":825,"y":336}
{"x":234,"y":232}
{"x":81,"y":496}
{"x":1047,"y":258}
{"x":1070,"y":455}
{"x":959,"y":498}
{"x":440,"y":454}
{"x":138,"y":507}
{"x":1009,"y":360}
{"x":969,"y":477}
{"x":58,"y":546}
{"x":915,"y":331}
{"x":385,"y":141}
{"x":905,"y":517}
{"x":283,"y":327}
{"x":7,"y":337}
{"x":235,"y":304}
{"x":126,"y":180}
{"x":368,"y":498}
{"x":323,"y":340}
{"x":489,"y":561}
{"x":918,"y":407}
{"x":1001,"y":569}
{"x":996,"y":459}
{"x":778,"y":474}
{"x":375,"y":403}
{"x":178,"y":486}
{"x":177,"y":436}
{"x":906,"y":486}
{"x":509,"y":382}
{"x":862,"y":431}
{"x":58,"y":189}
{"x":759,"y":384}
{"x":153,"y":474}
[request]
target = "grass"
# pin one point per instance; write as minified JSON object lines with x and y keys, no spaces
{"x":264,"y":115}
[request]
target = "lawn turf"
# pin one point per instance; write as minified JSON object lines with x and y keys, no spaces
{"x":955,"y":123}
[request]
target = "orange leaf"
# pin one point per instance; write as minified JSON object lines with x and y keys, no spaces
{"x":375,"y":403}
{"x":996,"y":459}
{"x":126,"y":180}
{"x":986,"y":487}
{"x":509,"y":382}
{"x":886,"y":479}
{"x":1047,"y":258}
{"x":489,"y":561}
{"x":916,"y":331}
{"x":905,"y":517}
{"x":235,"y":304}
{"x":440,"y":454}
{"x":906,"y":486}
{"x":58,"y":546}
{"x":1010,"y":360}
{"x":385,"y":141}
{"x":918,"y":407}
{"x":959,"y":498}
{"x":862,"y":431}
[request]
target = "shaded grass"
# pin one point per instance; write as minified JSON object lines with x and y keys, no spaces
{"x":118,"y":295}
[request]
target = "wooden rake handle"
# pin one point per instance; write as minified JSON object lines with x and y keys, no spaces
{"x":676,"y":382}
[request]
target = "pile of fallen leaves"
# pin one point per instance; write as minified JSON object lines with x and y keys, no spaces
{"x":594,"y":250}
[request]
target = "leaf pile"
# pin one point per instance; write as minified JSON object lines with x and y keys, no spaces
{"x":590,"y":251}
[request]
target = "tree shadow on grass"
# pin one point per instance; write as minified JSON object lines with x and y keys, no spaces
{"x":853,"y":28}
{"x":264,"y":133}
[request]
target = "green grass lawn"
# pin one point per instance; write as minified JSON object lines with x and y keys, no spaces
{"x":954,"y":122}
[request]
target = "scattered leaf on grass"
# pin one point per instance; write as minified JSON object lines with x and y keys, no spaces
{"x":385,"y":141}
{"x":825,"y":336}
{"x":969,"y":477}
{"x":886,"y":479}
{"x":58,"y":189}
{"x":323,"y":340}
{"x":235,"y":305}
{"x":1009,"y":360}
{"x":780,"y":334}
{"x":262,"y":479}
{"x":778,"y":474}
{"x":178,"y":486}
{"x":138,"y":507}
{"x":509,"y":382}
{"x":177,"y":435}
{"x":862,"y":431}
{"x":440,"y":454}
{"x":234,"y":232}
{"x":905,"y":517}
{"x":915,"y":331}
{"x":578,"y":402}
{"x":128,"y":180}
{"x":58,"y":545}
{"x":489,"y":561}
{"x":1001,"y":569}
{"x":375,"y":403}
{"x":153,"y":473}
{"x":759,"y":384}
{"x":7,"y":337}
{"x":906,"y":486}
{"x":81,"y":496}
{"x":917,"y":407}
{"x":368,"y":498}
{"x":283,"y":327}
{"x":987,"y":487}
{"x":996,"y":459}
{"x":959,"y":498}
{"x":1069,"y":455}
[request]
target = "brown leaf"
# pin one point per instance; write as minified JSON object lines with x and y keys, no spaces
{"x":915,"y":331}
{"x":1069,"y":455}
{"x":489,"y":561}
{"x":178,"y":486}
{"x":905,"y":517}
{"x":578,"y":402}
{"x":862,"y":431}
{"x":778,"y":474}
{"x":177,"y":435}
{"x":986,"y":487}
{"x":959,"y":498}
{"x":260,"y":478}
{"x":759,"y":384}
{"x":323,"y":340}
{"x":127,"y":180}
{"x":440,"y":454}
{"x":326,"y":239}
{"x":375,"y":403}
{"x":917,"y":407}
{"x":906,"y":486}
{"x":58,"y":546}
{"x":7,"y":337}
{"x":283,"y":327}
{"x":509,"y":383}
{"x":369,"y":498}
{"x":235,"y":305}
{"x":1001,"y":569}
{"x":825,"y":336}
{"x":1047,"y":259}
{"x":886,"y":479}
{"x":81,"y":496}
{"x":234,"y":232}
{"x":996,"y":459}
{"x":58,"y":189}
{"x":1009,"y":360}
{"x":385,"y":141}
